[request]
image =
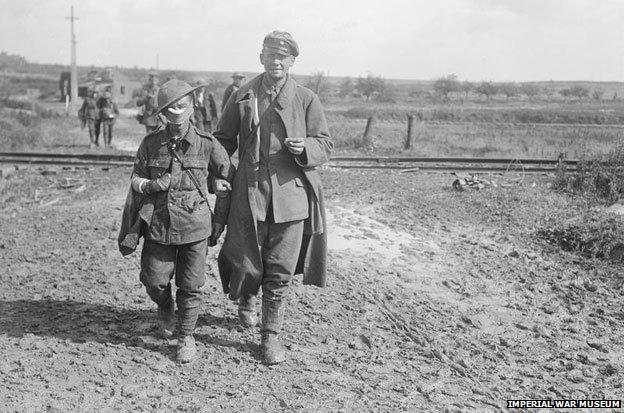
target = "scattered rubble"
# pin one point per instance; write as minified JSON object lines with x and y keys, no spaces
{"x":464,"y":181}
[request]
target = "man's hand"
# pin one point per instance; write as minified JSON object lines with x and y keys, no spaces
{"x":295,"y":145}
{"x":158,"y":185}
{"x":217,"y":230}
{"x":221,"y":188}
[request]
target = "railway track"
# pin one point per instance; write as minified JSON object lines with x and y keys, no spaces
{"x":347,"y":162}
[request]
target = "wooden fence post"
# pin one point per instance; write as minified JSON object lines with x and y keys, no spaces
{"x":410,"y":129}
{"x":367,"y":139}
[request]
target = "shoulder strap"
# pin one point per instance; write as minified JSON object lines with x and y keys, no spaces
{"x":257,"y":125}
{"x":190,"y":174}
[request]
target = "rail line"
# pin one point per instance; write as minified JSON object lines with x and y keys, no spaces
{"x":347,"y":162}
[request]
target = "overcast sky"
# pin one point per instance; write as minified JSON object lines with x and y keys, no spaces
{"x":413,"y":39}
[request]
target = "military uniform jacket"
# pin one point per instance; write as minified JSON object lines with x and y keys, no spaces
{"x":89,"y":109}
{"x":107,"y":109}
{"x":206,"y":111}
{"x":301,"y":114}
{"x":226,"y":95}
{"x":181,"y":214}
{"x":148,"y":101}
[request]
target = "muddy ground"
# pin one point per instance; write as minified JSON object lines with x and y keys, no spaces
{"x":437,"y":300}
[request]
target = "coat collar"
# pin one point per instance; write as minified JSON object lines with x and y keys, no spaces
{"x":190,"y":136}
{"x":251,"y":90}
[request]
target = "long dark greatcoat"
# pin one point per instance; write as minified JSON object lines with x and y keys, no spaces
{"x":302,"y":114}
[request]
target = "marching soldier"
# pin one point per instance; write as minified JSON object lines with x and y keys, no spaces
{"x":108,"y":113}
{"x":237,"y":81}
{"x":206,"y":115}
{"x":148,"y":116}
{"x":90,"y":117}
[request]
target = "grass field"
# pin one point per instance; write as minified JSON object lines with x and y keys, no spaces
{"x":479,"y":139}
{"x":499,"y":127}
{"x":430,"y":138}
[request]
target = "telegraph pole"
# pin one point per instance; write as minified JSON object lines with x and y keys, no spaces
{"x":74,"y":70}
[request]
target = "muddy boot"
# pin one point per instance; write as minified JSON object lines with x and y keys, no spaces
{"x":166,"y":319}
{"x":273,"y":351}
{"x":187,"y":351}
{"x":247,"y":311}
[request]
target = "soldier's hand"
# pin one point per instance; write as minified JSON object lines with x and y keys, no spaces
{"x":221,"y":187}
{"x":217,"y":230}
{"x":158,"y":185}
{"x":295,"y":145}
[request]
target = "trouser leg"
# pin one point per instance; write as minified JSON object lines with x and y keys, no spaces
{"x":190,"y":278}
{"x":91,"y":126}
{"x":157,"y":268}
{"x":107,"y":132}
{"x":110,"y":133}
{"x":97,"y":126}
{"x":280,"y":252}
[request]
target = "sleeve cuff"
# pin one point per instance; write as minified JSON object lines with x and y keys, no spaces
{"x":302,"y":159}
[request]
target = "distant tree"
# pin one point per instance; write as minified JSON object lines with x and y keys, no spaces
{"x":370,"y":85}
{"x":466,"y":87}
{"x":346,"y":87}
{"x":487,"y":89}
{"x":550,"y":90}
{"x":387,"y":93}
{"x":508,"y":89}
{"x":566,"y":93}
{"x":446,"y":85}
{"x":530,"y":90}
{"x":416,"y":92}
{"x":579,"y":91}
{"x":319,"y":84}
{"x":597,"y":94}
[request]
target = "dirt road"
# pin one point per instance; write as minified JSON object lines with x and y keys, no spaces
{"x":436,"y":300}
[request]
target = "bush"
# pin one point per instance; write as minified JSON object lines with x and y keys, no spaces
{"x":19,"y":131}
{"x":593,"y":235}
{"x":600,"y":177}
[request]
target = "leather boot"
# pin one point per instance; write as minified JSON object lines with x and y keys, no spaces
{"x":247,"y":311}
{"x":273,"y":351}
{"x":166,"y":319}
{"x":187,"y":351}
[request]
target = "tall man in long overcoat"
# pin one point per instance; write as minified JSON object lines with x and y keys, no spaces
{"x":276,"y":223}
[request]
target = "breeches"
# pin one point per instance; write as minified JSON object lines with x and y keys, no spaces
{"x":279,"y":246}
{"x":94,"y":129}
{"x":107,"y":131}
{"x":160,"y":263}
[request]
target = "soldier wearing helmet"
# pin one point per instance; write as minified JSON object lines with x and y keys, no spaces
{"x":90,"y":117}
{"x":237,"y":81}
{"x":108,"y":113}
{"x":206,"y":115}
{"x":174,"y":168}
{"x":148,"y":115}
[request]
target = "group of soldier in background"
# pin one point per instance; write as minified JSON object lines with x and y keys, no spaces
{"x":205,"y":114}
{"x":97,"y":114}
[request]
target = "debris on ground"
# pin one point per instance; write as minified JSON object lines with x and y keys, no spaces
{"x":465,"y":181}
